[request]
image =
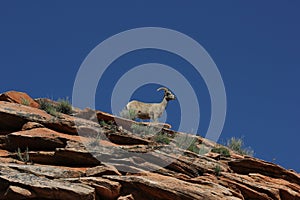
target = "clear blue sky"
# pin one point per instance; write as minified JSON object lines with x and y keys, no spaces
{"x":255,"y":45}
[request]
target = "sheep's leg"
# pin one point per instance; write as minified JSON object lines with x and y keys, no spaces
{"x":154,"y":119}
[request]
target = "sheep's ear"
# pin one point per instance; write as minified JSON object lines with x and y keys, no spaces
{"x":162,"y":88}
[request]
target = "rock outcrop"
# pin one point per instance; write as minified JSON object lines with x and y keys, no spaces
{"x":95,"y":155}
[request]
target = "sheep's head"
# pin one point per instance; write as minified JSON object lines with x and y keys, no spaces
{"x":168,"y":94}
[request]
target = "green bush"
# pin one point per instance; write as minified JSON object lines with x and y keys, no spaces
{"x":64,"y":106}
{"x":237,"y":145}
{"x":49,"y":108}
{"x":103,"y":123}
{"x":188,"y":142}
{"x":217,"y":170}
{"x":222,"y":151}
{"x":25,"y":102}
{"x":24,"y":157}
{"x":143,"y":130}
{"x":162,"y":138}
{"x":193,"y":147}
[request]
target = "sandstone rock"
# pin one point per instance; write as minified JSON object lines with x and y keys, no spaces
{"x":153,"y":186}
{"x":102,"y":170}
{"x":105,"y":189}
{"x":53,"y":172}
{"x":36,"y":139}
{"x":31,"y":125}
{"x":75,"y":157}
{"x":43,"y":157}
{"x":262,"y":187}
{"x":127,"y":197}
{"x":19,"y":97}
{"x":15,"y":192}
{"x":44,"y":188}
{"x":123,"y":139}
{"x":252,"y":165}
{"x":285,"y":189}
{"x":13,"y":116}
{"x":88,"y":114}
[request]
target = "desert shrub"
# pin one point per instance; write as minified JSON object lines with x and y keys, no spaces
{"x":222,"y":151}
{"x":237,"y":145}
{"x":217,"y":170}
{"x":24,"y":157}
{"x":186,"y":141}
{"x":49,"y":108}
{"x":162,"y":138}
{"x":64,"y":106}
{"x":144,"y":130}
{"x":44,"y":105}
{"x":103,"y":123}
{"x":25,"y":102}
{"x":193,"y":147}
{"x":128,"y":114}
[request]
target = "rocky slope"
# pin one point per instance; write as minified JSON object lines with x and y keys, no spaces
{"x":42,"y":156}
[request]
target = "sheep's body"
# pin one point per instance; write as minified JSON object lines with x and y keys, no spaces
{"x":147,"y":110}
{"x":151,"y":111}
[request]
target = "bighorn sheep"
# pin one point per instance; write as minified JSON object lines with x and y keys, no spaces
{"x":150,"y":110}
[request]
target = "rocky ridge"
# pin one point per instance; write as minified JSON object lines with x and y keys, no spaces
{"x":42,"y":156}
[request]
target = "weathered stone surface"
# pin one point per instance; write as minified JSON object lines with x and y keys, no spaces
{"x":262,"y":187}
{"x":127,"y":197}
{"x":14,"y":116}
{"x":19,"y":97}
{"x":31,"y":125}
{"x":75,"y":157}
{"x":252,"y":165}
{"x":52,"y":172}
{"x":88,"y":114}
{"x":15,"y":192}
{"x":105,"y":189}
{"x":102,"y":170}
{"x":122,"y":139}
{"x":37,"y":139}
{"x":44,"y":188}
{"x":153,"y":186}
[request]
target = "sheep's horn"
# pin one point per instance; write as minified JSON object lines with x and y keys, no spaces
{"x":163,"y":88}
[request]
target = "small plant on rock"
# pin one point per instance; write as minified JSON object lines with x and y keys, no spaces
{"x":103,"y":123}
{"x":161,"y":138}
{"x":143,"y":130}
{"x":24,"y":157}
{"x":25,"y":102}
{"x":237,"y":145}
{"x":193,"y":147}
{"x":188,"y":142}
{"x":64,"y":106}
{"x":221,"y":150}
{"x":217,"y":170}
{"x":49,"y":108}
